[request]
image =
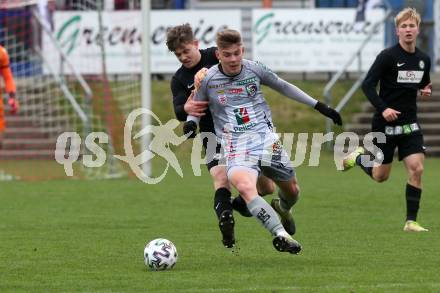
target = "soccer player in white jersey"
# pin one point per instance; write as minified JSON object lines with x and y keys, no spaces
{"x":182,"y":42}
{"x":243,"y":121}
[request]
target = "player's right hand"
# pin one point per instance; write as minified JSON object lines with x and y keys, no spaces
{"x":189,"y":129}
{"x":390,"y":114}
{"x":195,"y":108}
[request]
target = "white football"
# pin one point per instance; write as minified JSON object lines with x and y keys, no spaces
{"x":160,"y":254}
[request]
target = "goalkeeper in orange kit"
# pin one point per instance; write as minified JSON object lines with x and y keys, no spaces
{"x":6,"y":73}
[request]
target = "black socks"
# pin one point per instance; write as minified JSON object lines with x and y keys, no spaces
{"x":367,"y":170}
{"x":222,"y":201}
{"x":413,"y":195}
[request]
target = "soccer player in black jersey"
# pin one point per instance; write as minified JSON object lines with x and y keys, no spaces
{"x":402,"y":71}
{"x":181,"y":41}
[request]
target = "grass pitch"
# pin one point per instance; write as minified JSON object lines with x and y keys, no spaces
{"x":88,"y":236}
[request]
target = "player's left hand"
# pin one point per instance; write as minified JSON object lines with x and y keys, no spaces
{"x":13,"y":104}
{"x":200,"y":75}
{"x":426,"y":91}
{"x":189,"y":129}
{"x":329,"y":112}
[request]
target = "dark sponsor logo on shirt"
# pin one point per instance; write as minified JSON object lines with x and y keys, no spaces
{"x":236,"y":83}
{"x":251,"y":89}
{"x":246,"y":81}
{"x":221,"y":85}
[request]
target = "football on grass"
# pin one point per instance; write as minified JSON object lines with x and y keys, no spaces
{"x":160,"y":254}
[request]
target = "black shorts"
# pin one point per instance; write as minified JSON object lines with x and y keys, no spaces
{"x":407,"y":144}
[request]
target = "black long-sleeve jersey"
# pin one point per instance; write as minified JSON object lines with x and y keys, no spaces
{"x":182,"y":84}
{"x":401,"y":75}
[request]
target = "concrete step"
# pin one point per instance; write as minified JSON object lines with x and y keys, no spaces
{"x":33,"y":132}
{"x":422,"y":106}
{"x":423,"y":118}
{"x":29,"y":144}
{"x":363,"y":128}
{"x":433,"y":140}
{"x":431,"y":151}
{"x":19,"y":121}
{"x":27,"y":154}
{"x":429,"y":140}
{"x":24,"y":133}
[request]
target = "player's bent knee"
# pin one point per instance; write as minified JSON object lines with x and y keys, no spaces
{"x":381,"y":177}
{"x":219,"y":177}
{"x":416,"y":173}
{"x":267,"y":188}
{"x":221,"y":181}
{"x":246,"y":189}
{"x":295,"y":189}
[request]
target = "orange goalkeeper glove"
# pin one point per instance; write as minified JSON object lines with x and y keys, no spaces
{"x":13,"y":104}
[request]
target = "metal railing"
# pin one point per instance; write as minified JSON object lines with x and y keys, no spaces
{"x":357,"y":55}
{"x":83,"y":114}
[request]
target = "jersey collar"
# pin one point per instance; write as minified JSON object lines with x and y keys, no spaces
{"x":231,"y":76}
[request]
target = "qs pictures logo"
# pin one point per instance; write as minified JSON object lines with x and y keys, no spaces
{"x":162,"y":135}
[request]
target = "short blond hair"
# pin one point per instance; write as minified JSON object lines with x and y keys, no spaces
{"x":405,"y":14}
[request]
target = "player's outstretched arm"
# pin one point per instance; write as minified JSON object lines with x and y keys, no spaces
{"x":293,"y":92}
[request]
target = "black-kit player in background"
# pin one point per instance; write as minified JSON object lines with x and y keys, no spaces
{"x":181,"y":41}
{"x":401,"y":71}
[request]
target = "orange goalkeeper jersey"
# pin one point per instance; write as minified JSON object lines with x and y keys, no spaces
{"x":6,"y":73}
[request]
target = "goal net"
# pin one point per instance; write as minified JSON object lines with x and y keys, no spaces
{"x":59,"y":57}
